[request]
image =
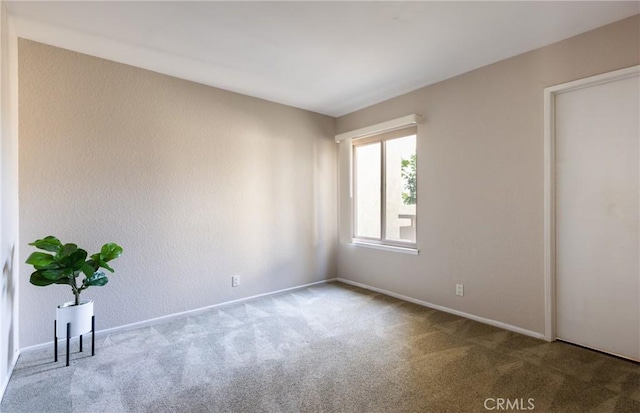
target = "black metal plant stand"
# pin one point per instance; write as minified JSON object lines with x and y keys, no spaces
{"x":55,"y":339}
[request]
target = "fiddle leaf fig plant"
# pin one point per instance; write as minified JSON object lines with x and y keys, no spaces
{"x":65,"y":262}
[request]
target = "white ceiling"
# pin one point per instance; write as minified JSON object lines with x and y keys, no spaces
{"x":328,"y":57}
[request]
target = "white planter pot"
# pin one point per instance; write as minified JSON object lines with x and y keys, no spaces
{"x":78,"y":315}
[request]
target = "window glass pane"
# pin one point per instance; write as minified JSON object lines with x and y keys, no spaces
{"x":367,"y":196}
{"x":401,"y":190}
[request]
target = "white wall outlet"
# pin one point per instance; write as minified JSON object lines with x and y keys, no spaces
{"x":459,"y":290}
{"x":235,"y":280}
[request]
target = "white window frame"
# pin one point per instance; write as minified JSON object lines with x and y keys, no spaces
{"x":382,"y":138}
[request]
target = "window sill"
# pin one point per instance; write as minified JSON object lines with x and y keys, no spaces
{"x":391,"y":248}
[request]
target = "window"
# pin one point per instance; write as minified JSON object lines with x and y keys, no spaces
{"x":385,"y":188}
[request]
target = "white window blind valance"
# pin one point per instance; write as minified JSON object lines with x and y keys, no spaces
{"x":383,"y":127}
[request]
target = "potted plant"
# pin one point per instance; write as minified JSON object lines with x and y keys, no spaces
{"x":63,"y":264}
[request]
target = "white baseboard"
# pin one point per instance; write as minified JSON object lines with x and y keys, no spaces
{"x":169,"y":317}
{"x":16,"y":354}
{"x":489,"y":321}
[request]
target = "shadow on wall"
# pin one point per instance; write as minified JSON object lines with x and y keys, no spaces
{"x":7,"y":297}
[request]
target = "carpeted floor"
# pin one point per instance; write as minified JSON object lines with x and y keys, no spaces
{"x":327,"y":348}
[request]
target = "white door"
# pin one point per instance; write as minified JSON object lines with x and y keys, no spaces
{"x":597,"y":137}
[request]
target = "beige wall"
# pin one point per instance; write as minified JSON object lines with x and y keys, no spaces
{"x":196,"y":183}
{"x":480,"y":180}
{"x":9,"y":209}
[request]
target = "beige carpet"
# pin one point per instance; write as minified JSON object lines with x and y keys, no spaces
{"x":328,"y":348}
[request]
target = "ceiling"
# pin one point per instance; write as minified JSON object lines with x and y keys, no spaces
{"x":327,"y":57}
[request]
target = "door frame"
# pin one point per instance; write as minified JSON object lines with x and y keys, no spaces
{"x":549,"y":185}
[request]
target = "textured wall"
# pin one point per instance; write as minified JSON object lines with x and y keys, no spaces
{"x":9,"y":209}
{"x":196,"y":183}
{"x":480,"y":180}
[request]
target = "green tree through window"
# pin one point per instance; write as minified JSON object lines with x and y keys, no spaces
{"x":409,"y":176}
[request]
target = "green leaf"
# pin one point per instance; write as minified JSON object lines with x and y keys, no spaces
{"x":96,"y":259}
{"x":97,"y":279}
{"x":105,"y":266}
{"x":66,"y":250}
{"x":74,"y":260}
{"x":53,"y":275}
{"x":49,"y":243}
{"x":40,"y":259}
{"x":37,"y":279}
{"x":77,"y":259}
{"x":110,"y":251}
{"x":99,"y":262}
{"x":63,"y":281}
{"x":88,"y":268}
{"x":52,"y":266}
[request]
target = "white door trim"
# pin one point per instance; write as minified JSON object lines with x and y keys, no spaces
{"x":549,"y":185}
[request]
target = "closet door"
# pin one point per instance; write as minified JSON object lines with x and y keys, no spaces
{"x":597,"y":133}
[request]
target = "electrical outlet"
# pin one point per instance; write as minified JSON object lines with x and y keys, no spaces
{"x":459,"y":290}
{"x":235,"y":280}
